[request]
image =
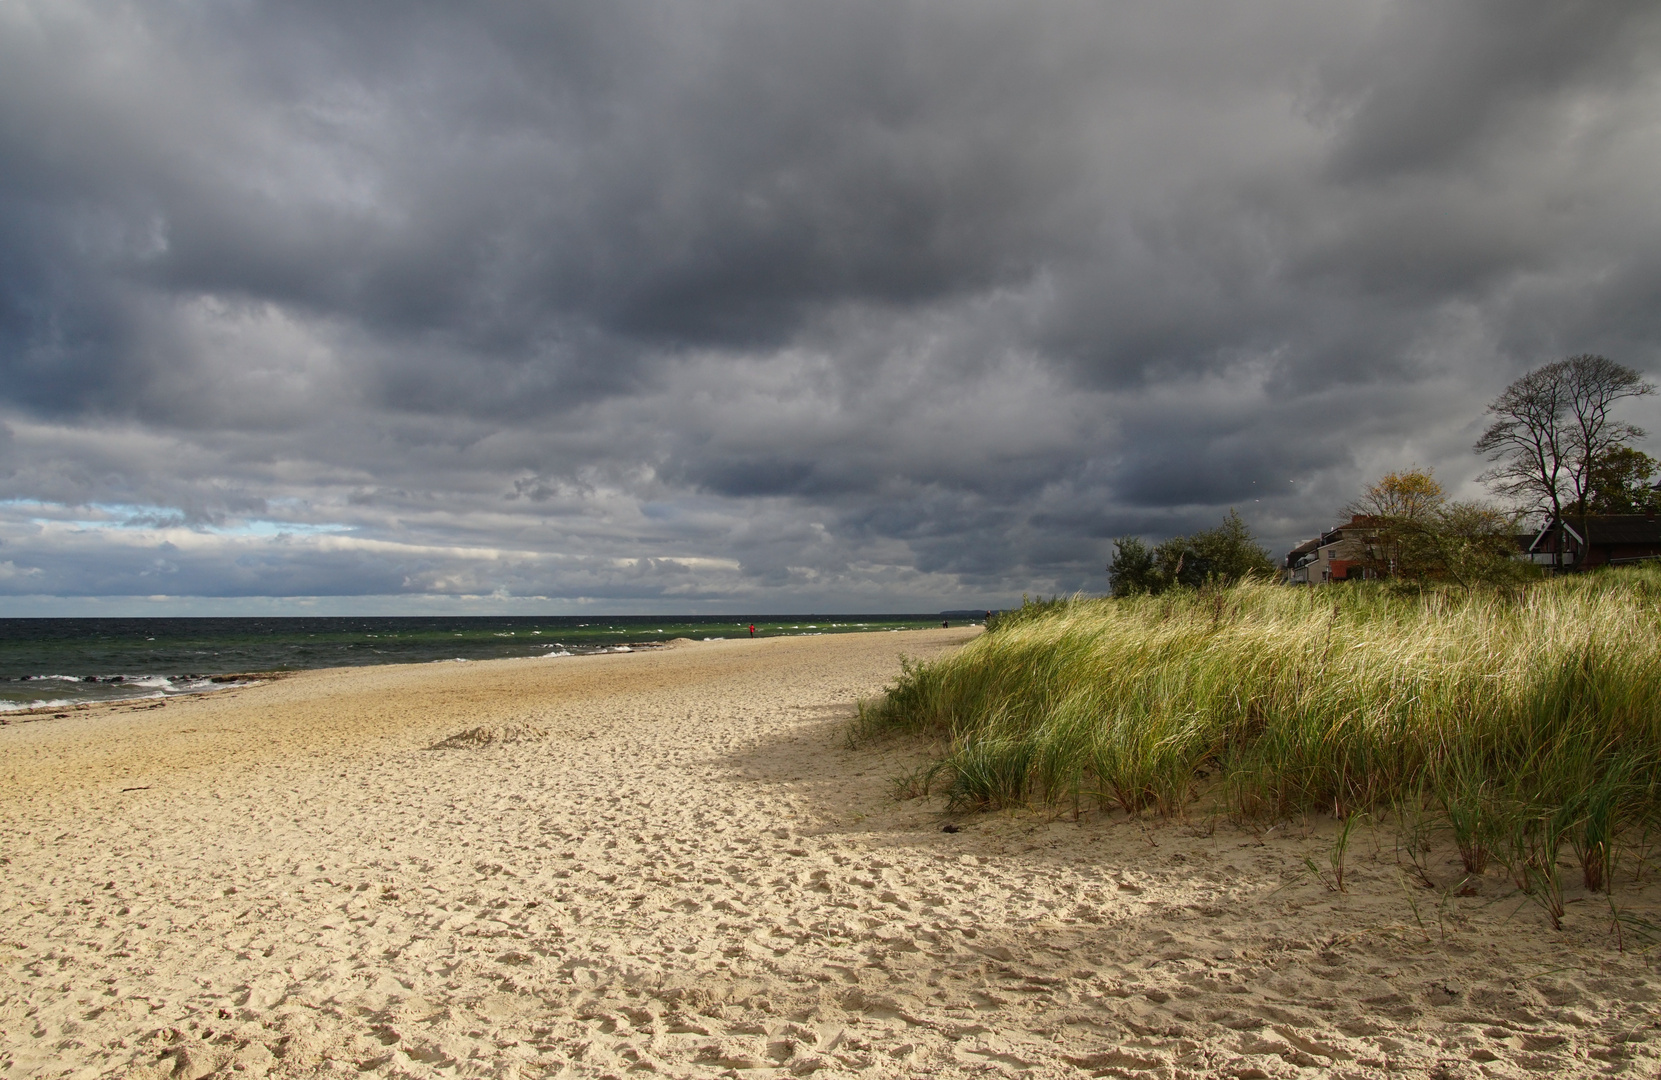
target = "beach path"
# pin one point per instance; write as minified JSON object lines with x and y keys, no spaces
{"x":669,"y":863}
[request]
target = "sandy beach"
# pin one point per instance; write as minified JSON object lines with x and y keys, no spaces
{"x":670,"y":863}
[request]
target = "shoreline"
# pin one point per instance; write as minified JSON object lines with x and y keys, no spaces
{"x":144,"y":687}
{"x":49,"y":710}
{"x":670,"y":862}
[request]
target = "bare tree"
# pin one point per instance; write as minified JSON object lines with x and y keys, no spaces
{"x":1525,"y":441}
{"x":1594,"y":385}
{"x":1552,"y":426}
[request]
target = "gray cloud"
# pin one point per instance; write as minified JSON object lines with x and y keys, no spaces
{"x":863,"y":305}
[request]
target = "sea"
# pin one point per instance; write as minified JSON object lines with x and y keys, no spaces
{"x":60,"y":663}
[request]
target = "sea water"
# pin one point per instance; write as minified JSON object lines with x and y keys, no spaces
{"x":58,"y":663}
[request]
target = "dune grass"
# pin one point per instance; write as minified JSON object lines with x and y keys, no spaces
{"x":1528,"y":720}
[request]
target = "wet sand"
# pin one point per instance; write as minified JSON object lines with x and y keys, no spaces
{"x":669,"y":863}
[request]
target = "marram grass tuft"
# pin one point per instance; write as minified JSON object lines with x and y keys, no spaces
{"x":1526,"y":718}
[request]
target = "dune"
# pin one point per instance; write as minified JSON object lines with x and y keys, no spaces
{"x":669,"y":862}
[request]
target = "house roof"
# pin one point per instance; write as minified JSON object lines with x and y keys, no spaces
{"x":1608,"y":529}
{"x":1623,"y":529}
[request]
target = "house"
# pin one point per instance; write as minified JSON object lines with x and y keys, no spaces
{"x":1349,"y":552}
{"x":1599,"y":540}
{"x":1339,"y":554}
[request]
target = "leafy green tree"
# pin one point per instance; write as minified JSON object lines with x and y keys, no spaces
{"x":1132,"y":572}
{"x":1225,"y":554}
{"x":1228,"y":553}
{"x":1620,"y":483}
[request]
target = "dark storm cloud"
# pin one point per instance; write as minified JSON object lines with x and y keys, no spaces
{"x":1437,"y":78}
{"x":866,"y":304}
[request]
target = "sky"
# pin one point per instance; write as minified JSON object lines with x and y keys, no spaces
{"x":727,"y":306}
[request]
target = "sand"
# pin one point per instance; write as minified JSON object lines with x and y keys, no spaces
{"x":669,"y":863}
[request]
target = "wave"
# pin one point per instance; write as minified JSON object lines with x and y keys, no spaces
{"x":112,"y":688}
{"x":151,"y":682}
{"x":20,"y":706}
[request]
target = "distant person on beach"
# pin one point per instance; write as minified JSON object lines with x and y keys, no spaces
{"x":944,"y":625}
{"x":752,"y":629}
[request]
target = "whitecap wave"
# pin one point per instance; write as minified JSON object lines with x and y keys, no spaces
{"x":20,"y":706}
{"x":113,"y":689}
{"x":150,"y":682}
